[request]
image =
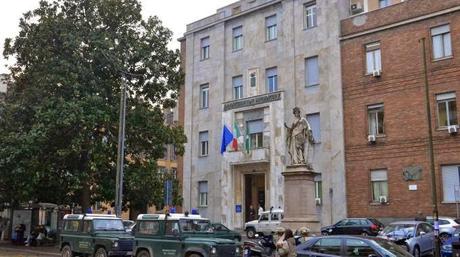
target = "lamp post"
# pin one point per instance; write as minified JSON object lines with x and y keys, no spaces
{"x":121,"y":151}
{"x":434,"y":198}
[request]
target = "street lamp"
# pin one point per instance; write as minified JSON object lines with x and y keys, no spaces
{"x":434,"y":197}
{"x":121,"y":151}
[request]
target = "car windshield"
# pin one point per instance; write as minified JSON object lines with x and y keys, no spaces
{"x":191,"y":225}
{"x":399,"y":230}
{"x":390,"y":247}
{"x":109,"y":224}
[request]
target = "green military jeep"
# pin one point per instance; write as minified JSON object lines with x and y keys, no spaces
{"x":94,"y":235}
{"x":162,"y":235}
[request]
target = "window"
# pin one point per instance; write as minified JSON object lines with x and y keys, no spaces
{"x":311,"y":71}
{"x":384,"y":3}
{"x":319,"y":189}
{"x":270,"y":25}
{"x":256,"y":135}
{"x":171,"y":228}
{"x":327,"y":246}
{"x":314,"y":121}
{"x":204,"y":96}
{"x":253,"y":79}
{"x":272,"y":79}
{"x":442,"y":46}
{"x":204,"y":143}
{"x":375,"y":119}
{"x":203,"y":193}
{"x":373,"y":58}
{"x":310,"y":15}
{"x":72,"y":225}
{"x":204,"y":48}
{"x":237,"y":42}
{"x":356,"y":247}
{"x":450,"y":183}
{"x":87,"y":224}
{"x":149,"y":227}
{"x":237,"y":83}
{"x":379,"y":183}
{"x":447,"y":109}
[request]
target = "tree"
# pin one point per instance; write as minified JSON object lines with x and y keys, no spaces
{"x":59,"y":123}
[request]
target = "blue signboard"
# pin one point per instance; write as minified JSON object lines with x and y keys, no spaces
{"x":238,"y":208}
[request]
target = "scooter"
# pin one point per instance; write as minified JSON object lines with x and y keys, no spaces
{"x":263,"y":247}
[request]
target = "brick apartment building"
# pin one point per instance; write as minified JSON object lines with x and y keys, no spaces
{"x":385,"y":119}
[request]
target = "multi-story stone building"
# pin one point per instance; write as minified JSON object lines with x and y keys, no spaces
{"x":247,"y":67}
{"x":385,"y":116}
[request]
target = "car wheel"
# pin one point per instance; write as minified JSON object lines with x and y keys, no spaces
{"x":66,"y":251}
{"x":364,"y":233}
{"x":417,"y":252}
{"x":194,"y":255}
{"x":443,"y":237}
{"x":143,"y":253}
{"x":100,"y":253}
{"x":324,"y":233}
{"x":251,"y":233}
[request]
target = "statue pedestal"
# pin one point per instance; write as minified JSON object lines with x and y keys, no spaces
{"x":299,"y":198}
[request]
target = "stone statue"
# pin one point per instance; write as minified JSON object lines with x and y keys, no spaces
{"x":298,"y":135}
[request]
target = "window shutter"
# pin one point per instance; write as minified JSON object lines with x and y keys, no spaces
{"x":271,"y":72}
{"x":314,"y":121}
{"x":205,"y":42}
{"x":445,"y":96}
{"x":450,"y":182}
{"x":440,"y":30}
{"x":312,"y":71}
{"x":379,"y":175}
{"x":203,"y":136}
{"x":237,"y":81}
{"x":238,"y":31}
{"x":270,"y":21}
{"x":203,"y":186}
{"x":255,"y":126}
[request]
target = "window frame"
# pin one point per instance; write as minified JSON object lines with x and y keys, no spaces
{"x":204,"y":101}
{"x":375,"y":109}
{"x":379,"y":184}
{"x":237,"y":39}
{"x":272,"y":78}
{"x":271,"y":29}
{"x":307,"y":73}
{"x":445,"y":101}
{"x":204,"y":145}
{"x":373,"y":48}
{"x":259,"y":136}
{"x":237,"y":90}
{"x":310,"y":6}
{"x":204,"y":49}
{"x":449,"y":197}
{"x":203,"y":200}
{"x":307,"y":117}
{"x":444,"y":56}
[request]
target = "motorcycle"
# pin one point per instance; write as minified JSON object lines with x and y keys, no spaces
{"x":263,"y":247}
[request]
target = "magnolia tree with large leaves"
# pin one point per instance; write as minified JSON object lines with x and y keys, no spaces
{"x":59,"y":123}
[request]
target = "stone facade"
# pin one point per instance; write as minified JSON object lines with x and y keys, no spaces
{"x":402,"y":150}
{"x":238,"y":178}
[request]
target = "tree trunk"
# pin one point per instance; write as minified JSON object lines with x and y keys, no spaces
{"x":134,"y":212}
{"x":85,"y":196}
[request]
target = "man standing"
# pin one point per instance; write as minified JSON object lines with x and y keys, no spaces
{"x":260,"y":210}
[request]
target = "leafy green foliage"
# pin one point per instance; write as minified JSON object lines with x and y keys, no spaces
{"x":59,"y":123}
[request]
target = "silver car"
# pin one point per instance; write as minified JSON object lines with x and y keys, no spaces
{"x":447,"y":226}
{"x":416,"y":236}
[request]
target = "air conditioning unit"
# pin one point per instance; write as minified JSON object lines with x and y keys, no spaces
{"x":318,"y":201}
{"x":452,"y":129}
{"x":371,"y":139}
{"x":383,"y":199}
{"x":356,"y":8}
{"x":376,"y":73}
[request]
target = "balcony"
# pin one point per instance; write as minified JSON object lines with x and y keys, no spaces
{"x":254,"y":156}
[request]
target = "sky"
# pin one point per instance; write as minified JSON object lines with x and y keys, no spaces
{"x":175,"y":14}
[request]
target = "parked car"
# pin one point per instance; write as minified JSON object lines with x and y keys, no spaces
{"x":266,"y":224}
{"x":344,"y":245}
{"x":221,"y":231}
{"x":416,"y":236}
{"x":354,"y":226}
{"x":447,"y":226}
{"x":96,"y":235}
{"x":180,"y":235}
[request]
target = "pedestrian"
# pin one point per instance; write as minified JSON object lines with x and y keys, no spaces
{"x":304,"y":234}
{"x":252,"y":213}
{"x":285,"y":246}
{"x":260,"y":210}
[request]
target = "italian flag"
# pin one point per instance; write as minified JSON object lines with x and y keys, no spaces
{"x":236,"y":135}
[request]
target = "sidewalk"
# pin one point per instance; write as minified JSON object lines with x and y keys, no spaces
{"x":7,"y":249}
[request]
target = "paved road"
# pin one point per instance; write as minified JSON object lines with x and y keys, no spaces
{"x":23,"y":251}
